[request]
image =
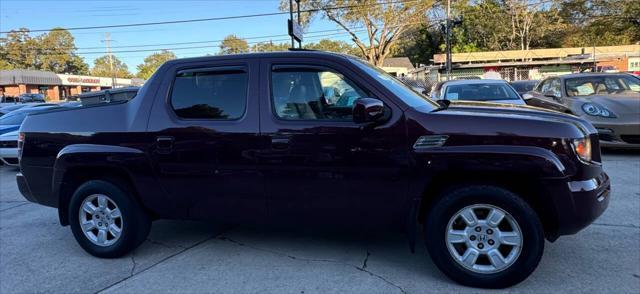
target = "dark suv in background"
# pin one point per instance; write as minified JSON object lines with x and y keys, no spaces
{"x":314,"y":140}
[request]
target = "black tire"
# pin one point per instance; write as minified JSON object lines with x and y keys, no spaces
{"x":135,"y":227}
{"x":453,"y":201}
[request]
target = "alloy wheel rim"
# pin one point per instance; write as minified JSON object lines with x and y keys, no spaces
{"x":101,"y":220}
{"x":484,"y":238}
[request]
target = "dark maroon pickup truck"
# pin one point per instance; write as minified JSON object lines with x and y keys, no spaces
{"x":317,"y":140}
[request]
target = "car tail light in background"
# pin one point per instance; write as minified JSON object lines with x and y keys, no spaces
{"x":20,"y":144}
{"x":582,"y":147}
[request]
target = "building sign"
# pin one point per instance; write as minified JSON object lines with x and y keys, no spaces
{"x":78,"y":80}
{"x":89,"y":81}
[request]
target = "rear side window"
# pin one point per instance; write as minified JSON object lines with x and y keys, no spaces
{"x":210,"y":94}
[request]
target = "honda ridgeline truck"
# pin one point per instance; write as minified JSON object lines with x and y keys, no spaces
{"x":317,"y":140}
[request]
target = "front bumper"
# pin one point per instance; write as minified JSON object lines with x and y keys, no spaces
{"x":578,"y":203}
{"x":621,"y":135}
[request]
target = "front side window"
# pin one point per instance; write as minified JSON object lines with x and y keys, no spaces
{"x":312,"y":94}
{"x":216,"y":94}
{"x":554,"y":87}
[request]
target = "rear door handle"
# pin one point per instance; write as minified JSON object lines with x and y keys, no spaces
{"x":280,"y":142}
{"x":164,"y":142}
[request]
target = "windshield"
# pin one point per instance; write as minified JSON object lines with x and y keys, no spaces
{"x":602,"y":85}
{"x":480,"y":92}
{"x":404,"y":92}
{"x":13,"y":119}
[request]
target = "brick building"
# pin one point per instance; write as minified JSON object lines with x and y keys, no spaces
{"x":56,"y":86}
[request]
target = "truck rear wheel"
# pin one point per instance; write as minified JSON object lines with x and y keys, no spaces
{"x":484,"y":236}
{"x":105,"y":220}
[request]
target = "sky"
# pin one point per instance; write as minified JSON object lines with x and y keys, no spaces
{"x":81,"y":13}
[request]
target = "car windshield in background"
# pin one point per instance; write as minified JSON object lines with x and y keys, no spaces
{"x":602,"y":85}
{"x":524,"y":86}
{"x":404,"y":92}
{"x":480,"y":92}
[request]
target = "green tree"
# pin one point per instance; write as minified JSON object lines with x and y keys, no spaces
{"x":20,"y":50}
{"x":385,"y":22}
{"x":420,"y":44}
{"x":152,"y":62}
{"x":232,"y":44}
{"x":54,"y":51}
{"x":57,"y":53}
{"x":269,"y":47}
{"x":333,"y":46}
{"x":601,"y":22}
{"x":102,"y":67}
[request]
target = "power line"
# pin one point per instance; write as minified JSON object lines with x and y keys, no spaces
{"x":202,"y":47}
{"x":218,"y":18}
{"x":320,"y":34}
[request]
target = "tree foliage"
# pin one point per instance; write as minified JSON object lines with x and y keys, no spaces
{"x":102,"y":67}
{"x":269,"y":47}
{"x":334,"y":46}
{"x":152,"y":62}
{"x":495,"y":25}
{"x":385,"y":22}
{"x":232,"y":44}
{"x":53,"y":51}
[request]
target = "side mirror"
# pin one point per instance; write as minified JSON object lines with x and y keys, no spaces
{"x":551,"y":94}
{"x":526,"y":96}
{"x":367,"y":110}
{"x":444,"y":103}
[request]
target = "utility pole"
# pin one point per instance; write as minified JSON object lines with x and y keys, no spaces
{"x":448,"y":40}
{"x":595,"y":62}
{"x":107,"y":40}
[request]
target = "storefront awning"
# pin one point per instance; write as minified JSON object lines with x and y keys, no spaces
{"x":28,"y":77}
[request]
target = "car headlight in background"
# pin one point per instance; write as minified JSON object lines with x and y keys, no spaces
{"x":582,"y":147}
{"x":596,"y":110}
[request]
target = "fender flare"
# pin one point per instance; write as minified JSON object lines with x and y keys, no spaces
{"x":547,"y":163}
{"x":91,"y":156}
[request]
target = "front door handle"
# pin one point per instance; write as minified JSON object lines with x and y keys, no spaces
{"x":164,"y":143}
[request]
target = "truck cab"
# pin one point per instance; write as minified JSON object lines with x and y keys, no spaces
{"x":317,"y":140}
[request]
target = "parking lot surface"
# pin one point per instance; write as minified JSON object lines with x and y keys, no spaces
{"x":38,"y":255}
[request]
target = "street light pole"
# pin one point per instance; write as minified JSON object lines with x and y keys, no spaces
{"x":293,"y":41}
{"x":448,"y":40}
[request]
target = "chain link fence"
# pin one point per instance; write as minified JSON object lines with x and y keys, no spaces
{"x":427,"y":79}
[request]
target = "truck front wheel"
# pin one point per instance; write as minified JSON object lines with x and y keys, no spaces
{"x":484,"y":236}
{"x":105,"y":220}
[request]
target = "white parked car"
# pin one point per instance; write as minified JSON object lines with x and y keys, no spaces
{"x":9,"y":148}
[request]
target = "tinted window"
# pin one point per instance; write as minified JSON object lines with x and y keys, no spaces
{"x":210,"y":94}
{"x":602,"y":85}
{"x":312,"y":93}
{"x":480,"y":92}
{"x":523,"y":87}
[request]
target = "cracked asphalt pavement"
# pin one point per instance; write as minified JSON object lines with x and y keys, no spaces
{"x":38,"y":255}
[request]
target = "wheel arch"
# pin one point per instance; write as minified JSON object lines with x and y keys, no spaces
{"x":77,"y":164}
{"x":527,"y":186}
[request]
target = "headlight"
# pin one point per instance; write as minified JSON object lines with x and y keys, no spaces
{"x":596,"y":110}
{"x":582,"y":147}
